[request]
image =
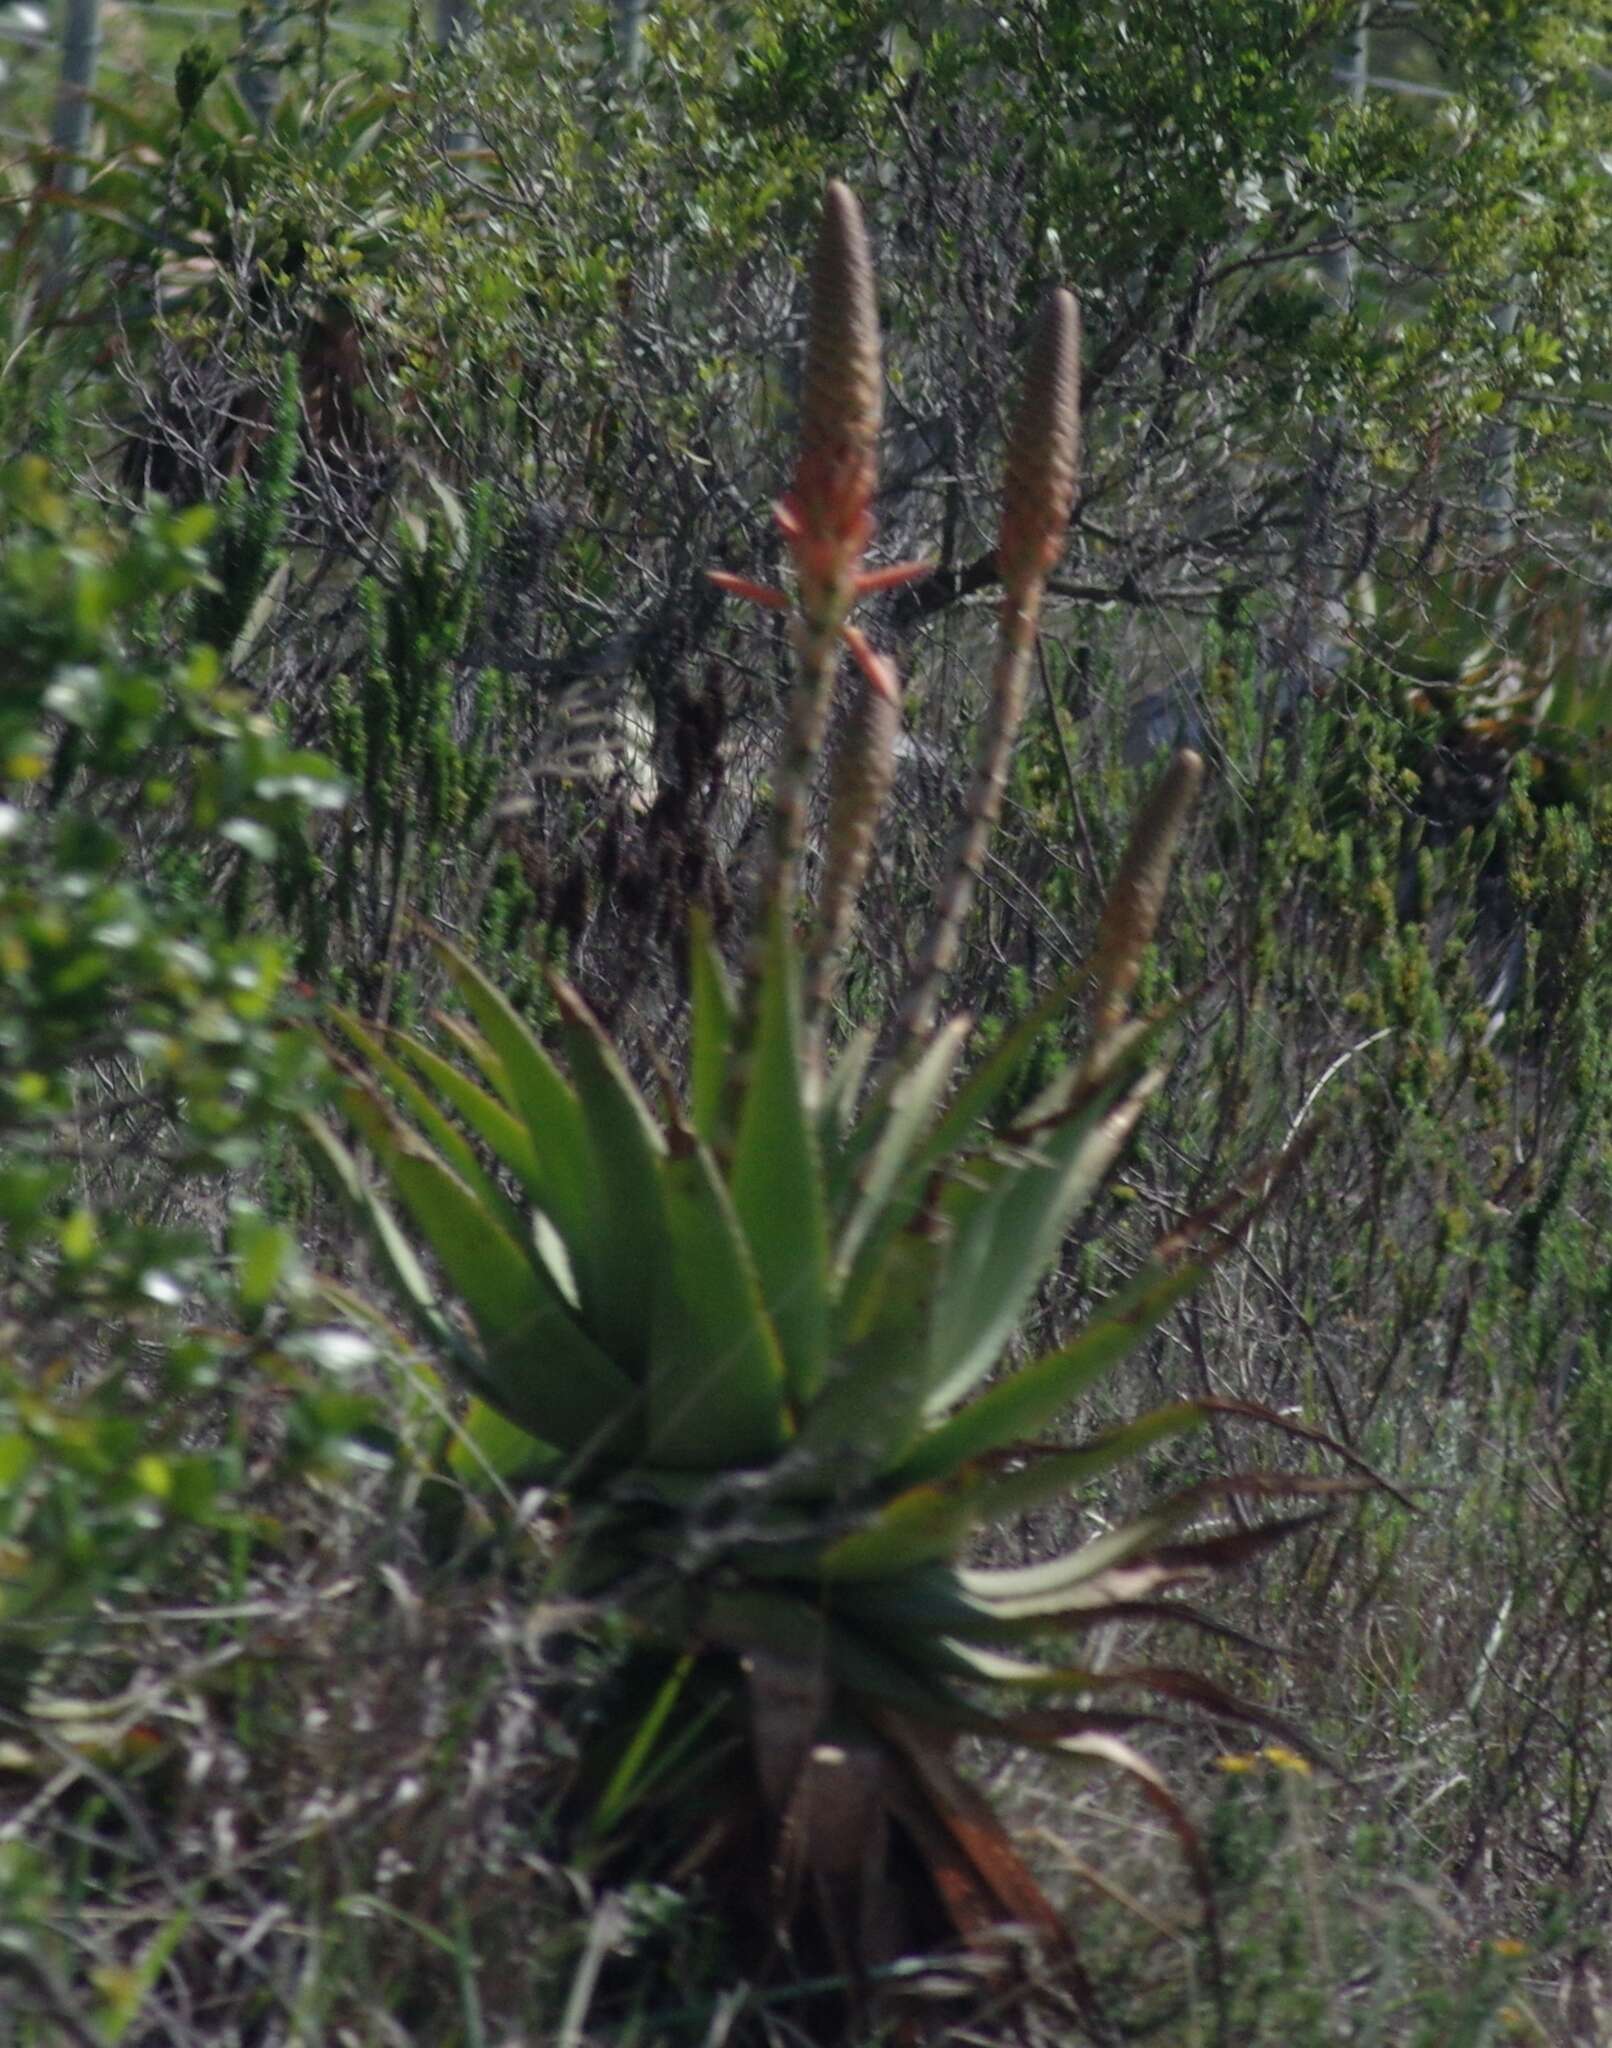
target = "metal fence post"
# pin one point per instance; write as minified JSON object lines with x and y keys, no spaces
{"x":70,"y":116}
{"x":1320,"y":640}
{"x":1499,"y":494}
{"x":1350,"y":70}
{"x":454,"y":24}
{"x":629,"y":36}
{"x":256,"y":72}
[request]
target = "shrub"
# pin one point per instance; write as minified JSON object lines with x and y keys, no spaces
{"x":145,"y":1054}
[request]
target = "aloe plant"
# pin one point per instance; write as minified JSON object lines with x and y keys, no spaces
{"x":760,"y":1332}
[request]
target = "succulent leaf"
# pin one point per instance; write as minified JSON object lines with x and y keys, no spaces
{"x":503,"y":1133}
{"x":1130,"y":1561}
{"x":1009,"y":1240}
{"x":487,"y":1444}
{"x":507,"y":1137}
{"x":777,"y":1177}
{"x":867,"y":1417}
{"x":449,"y":1140}
{"x":1165,"y":1681}
{"x":1054,"y":1474}
{"x":407,"y":1275}
{"x":918,"y":1526}
{"x":712,"y":1017}
{"x":717,"y":1395}
{"x":895,"y":1126}
{"x":977,"y":1836}
{"x":930,"y":1521}
{"x":626,"y":1232}
{"x":1031,"y":1397}
{"x":532,"y":1085}
{"x":533,"y":1361}
{"x":983,"y":1087}
{"x":836,"y":1106}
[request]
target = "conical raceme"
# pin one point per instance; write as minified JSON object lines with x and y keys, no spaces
{"x":827,"y":517}
{"x":1131,"y":914}
{"x":1043,"y":455}
{"x":1037,"y":493}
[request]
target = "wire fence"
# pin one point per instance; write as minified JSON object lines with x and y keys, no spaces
{"x":82,"y":49}
{"x":25,"y":25}
{"x":77,"y":41}
{"x":83,"y":53}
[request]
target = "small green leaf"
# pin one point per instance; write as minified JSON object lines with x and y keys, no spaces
{"x":78,"y":1235}
{"x":264,"y":1252}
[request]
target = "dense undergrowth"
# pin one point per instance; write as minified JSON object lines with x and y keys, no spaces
{"x":358,"y":498}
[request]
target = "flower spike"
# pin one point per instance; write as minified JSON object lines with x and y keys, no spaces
{"x":1043,"y":456}
{"x":827,"y":515}
{"x":1037,"y":494}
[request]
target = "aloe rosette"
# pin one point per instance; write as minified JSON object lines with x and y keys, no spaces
{"x":762,"y":1333}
